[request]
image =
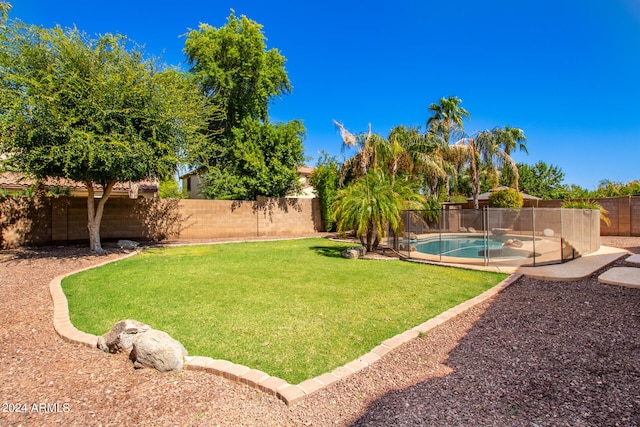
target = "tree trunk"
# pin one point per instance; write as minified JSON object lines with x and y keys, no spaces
{"x":475,"y":187}
{"x":373,"y":237}
{"x":474,"y":171}
{"x":94,"y":214}
{"x":447,"y":186}
{"x":376,"y":242}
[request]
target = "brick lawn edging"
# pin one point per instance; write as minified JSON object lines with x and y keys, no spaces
{"x":288,"y":393}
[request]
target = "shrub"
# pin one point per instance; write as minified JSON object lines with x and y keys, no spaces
{"x":15,"y":220}
{"x":324,"y":179}
{"x":431,"y":210}
{"x":507,"y":198}
{"x":169,"y":189}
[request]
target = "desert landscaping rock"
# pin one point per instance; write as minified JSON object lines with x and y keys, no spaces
{"x":127,"y":244}
{"x":145,"y":346}
{"x":354,"y":252}
{"x":120,"y":338}
{"x":157,"y":350}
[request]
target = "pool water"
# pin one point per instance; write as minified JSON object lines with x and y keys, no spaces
{"x":463,"y":247}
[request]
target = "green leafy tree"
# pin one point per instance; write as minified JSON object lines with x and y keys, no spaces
{"x":573,"y":191}
{"x":93,"y":111}
{"x":541,"y":180}
{"x":324,"y":179}
{"x":263,"y":161}
{"x":246,"y":155}
{"x":235,"y":69}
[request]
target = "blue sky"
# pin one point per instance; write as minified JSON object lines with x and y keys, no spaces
{"x":567,"y":72}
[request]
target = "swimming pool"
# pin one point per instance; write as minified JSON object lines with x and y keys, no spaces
{"x":463,"y":247}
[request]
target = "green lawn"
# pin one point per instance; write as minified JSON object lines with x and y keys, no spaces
{"x":294,"y":309}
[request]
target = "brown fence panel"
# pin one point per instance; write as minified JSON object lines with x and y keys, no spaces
{"x":65,"y":219}
{"x":634,"y":217}
{"x":623,"y":213}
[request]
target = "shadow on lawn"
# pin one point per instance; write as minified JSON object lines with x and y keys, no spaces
{"x":329,"y":251}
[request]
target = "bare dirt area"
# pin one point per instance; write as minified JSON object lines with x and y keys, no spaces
{"x":541,"y":353}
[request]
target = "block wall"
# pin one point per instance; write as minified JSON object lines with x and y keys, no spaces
{"x":634,"y":207}
{"x":65,"y":219}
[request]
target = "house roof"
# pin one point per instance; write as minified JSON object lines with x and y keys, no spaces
{"x":485,"y":196}
{"x":305,"y":170}
{"x":302,"y":170}
{"x":18,"y":181}
{"x":197,"y":171}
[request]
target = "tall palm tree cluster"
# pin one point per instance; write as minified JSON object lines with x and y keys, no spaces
{"x":411,"y":169}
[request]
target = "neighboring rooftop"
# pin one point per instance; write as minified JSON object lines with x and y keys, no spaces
{"x":16,"y":182}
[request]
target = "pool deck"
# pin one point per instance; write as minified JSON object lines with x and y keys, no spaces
{"x":577,"y":269}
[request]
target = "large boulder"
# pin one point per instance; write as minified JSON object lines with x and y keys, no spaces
{"x":156,"y":349}
{"x":354,"y":252}
{"x":145,"y":346}
{"x":128,"y":244}
{"x":120,"y":338}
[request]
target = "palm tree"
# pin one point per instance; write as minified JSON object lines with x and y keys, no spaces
{"x":511,"y":139}
{"x":484,"y":153}
{"x":446,"y":117}
{"x":608,"y":188}
{"x":5,"y":7}
{"x":381,"y":186}
{"x":368,"y":147}
{"x":371,"y":202}
{"x":374,"y":152}
{"x":444,"y":125}
{"x":417,"y":155}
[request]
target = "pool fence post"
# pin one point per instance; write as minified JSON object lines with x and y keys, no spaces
{"x":533,"y":233}
{"x":485,"y":224}
{"x":440,"y":233}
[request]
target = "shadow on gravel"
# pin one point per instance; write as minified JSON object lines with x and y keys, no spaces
{"x":544,"y":353}
{"x":58,"y":252}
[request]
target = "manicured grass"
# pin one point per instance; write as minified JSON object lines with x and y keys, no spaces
{"x":294,"y":309}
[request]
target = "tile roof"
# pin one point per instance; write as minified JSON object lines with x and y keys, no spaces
{"x":14,"y":180}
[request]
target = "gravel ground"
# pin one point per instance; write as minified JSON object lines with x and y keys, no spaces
{"x":541,"y":353}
